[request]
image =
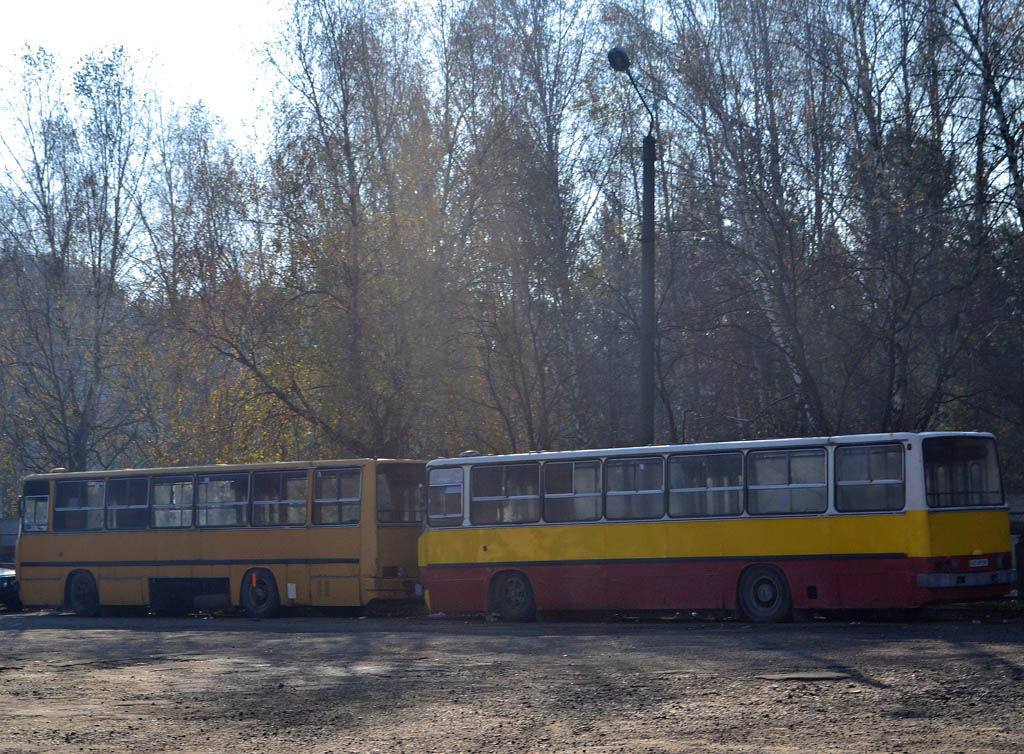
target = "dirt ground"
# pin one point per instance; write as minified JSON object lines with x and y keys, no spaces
{"x":332,"y":684}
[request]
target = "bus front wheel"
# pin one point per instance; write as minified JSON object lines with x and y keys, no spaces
{"x":83,"y":597}
{"x":259,"y":594}
{"x":763,"y":595}
{"x":513,"y":597}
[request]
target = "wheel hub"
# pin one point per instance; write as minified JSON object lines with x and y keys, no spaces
{"x":765,"y":593}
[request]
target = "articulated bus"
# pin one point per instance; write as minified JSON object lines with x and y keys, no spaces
{"x":763,"y":527}
{"x":330,"y":533}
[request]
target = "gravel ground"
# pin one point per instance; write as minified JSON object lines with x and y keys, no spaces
{"x":329,"y":684}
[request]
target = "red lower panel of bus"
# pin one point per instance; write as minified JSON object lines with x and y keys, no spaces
{"x":826,"y":583}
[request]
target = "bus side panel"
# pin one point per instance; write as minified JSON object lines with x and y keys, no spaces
{"x":334,"y":553}
{"x":447,"y":570}
{"x":173,"y":552}
{"x":869,"y":561}
{"x":39,"y":586}
{"x":850,"y":561}
{"x":124,"y":580}
{"x":457,"y":589}
{"x":233,"y":552}
{"x":667,"y":585}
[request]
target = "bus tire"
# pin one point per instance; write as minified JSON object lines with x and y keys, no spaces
{"x":513,"y":597}
{"x":259,"y":594}
{"x":763,"y":595}
{"x":83,"y":597}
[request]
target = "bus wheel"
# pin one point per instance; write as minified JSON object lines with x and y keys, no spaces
{"x":83,"y":598}
{"x":763,"y":595}
{"x":259,"y":594}
{"x":514,"y":597}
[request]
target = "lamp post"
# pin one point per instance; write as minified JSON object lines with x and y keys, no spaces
{"x":619,"y":61}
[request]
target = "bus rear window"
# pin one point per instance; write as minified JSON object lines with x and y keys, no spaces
{"x":400,"y":493}
{"x":961,"y":472}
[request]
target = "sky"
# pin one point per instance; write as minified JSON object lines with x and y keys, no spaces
{"x":189,"y":49}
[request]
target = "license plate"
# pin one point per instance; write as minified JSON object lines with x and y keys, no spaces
{"x":979,"y":563}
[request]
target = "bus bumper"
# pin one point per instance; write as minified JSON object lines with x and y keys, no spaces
{"x":959,"y":580}
{"x":391,"y":589}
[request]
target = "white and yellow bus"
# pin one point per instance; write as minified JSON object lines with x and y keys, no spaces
{"x":762,"y":527}
{"x":331,"y":533}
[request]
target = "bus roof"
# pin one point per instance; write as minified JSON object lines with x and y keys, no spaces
{"x":220,"y":468}
{"x":791,"y":442}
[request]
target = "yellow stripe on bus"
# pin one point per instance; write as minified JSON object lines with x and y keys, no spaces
{"x":912,"y":534}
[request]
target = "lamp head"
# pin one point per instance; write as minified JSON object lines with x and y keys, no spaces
{"x":618,"y":59}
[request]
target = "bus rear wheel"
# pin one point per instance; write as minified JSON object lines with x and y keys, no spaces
{"x":259,"y":594}
{"x":513,"y":597}
{"x":763,"y":595}
{"x":83,"y":597}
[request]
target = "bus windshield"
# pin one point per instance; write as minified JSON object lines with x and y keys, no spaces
{"x":961,"y":472}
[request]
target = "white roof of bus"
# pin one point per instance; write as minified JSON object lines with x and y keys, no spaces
{"x":549,"y":455}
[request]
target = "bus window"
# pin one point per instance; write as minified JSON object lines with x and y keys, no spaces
{"x":787,"y":481}
{"x":79,"y":506}
{"x":705,"y":485}
{"x":35,"y":509}
{"x":869,"y":478}
{"x":279,"y":498}
{"x":399,"y":493}
{"x":36,"y":513}
{"x":636,"y":488}
{"x":171,"y":503}
{"x":572,"y":491}
{"x":336,"y":496}
{"x":505,"y":494}
{"x":444,"y":497}
{"x":127,"y":504}
{"x":961,"y":472}
{"x":222,"y":500}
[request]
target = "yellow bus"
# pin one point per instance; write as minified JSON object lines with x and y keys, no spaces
{"x":263,"y":536}
{"x":763,"y":527}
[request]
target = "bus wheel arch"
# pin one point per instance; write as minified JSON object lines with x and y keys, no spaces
{"x":81,"y":594}
{"x":260,"y":597}
{"x":763,"y":594}
{"x":511,"y":595}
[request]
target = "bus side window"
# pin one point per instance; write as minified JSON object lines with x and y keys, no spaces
{"x":79,"y":505}
{"x":505,"y":494}
{"x":171,"y":503}
{"x":869,"y":478}
{"x":787,"y":481}
{"x":572,"y":491}
{"x":706,"y":484}
{"x":127,"y":503}
{"x":336,"y":496}
{"x":222,"y":500}
{"x":279,"y":498}
{"x":636,"y":488}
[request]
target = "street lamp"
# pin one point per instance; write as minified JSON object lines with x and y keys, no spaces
{"x":619,"y":61}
